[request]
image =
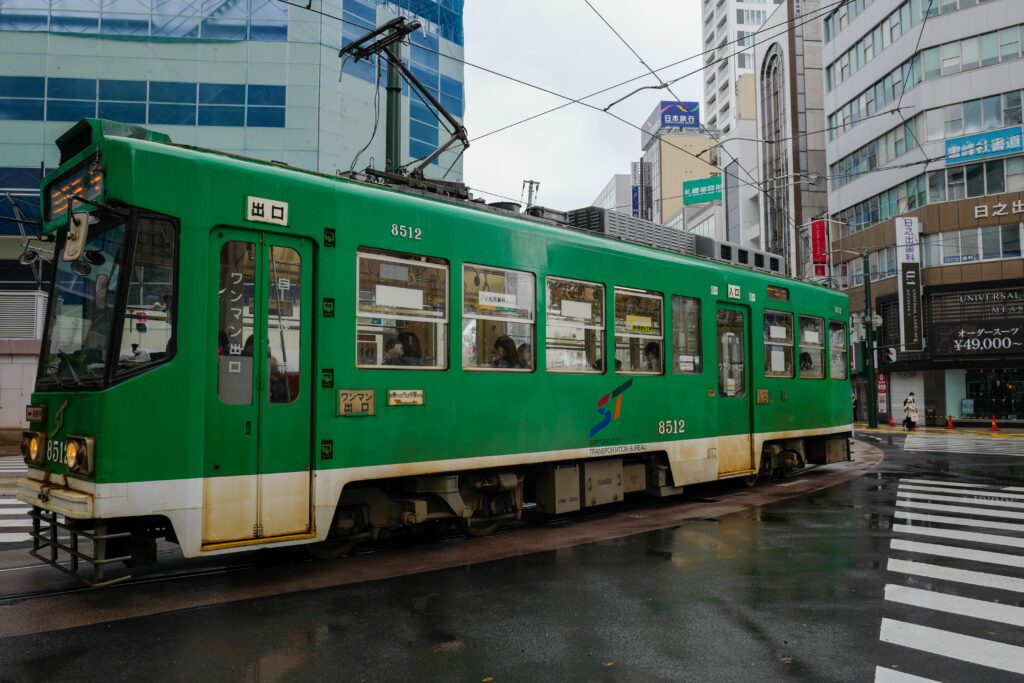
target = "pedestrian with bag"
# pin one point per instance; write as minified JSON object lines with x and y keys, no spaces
{"x":910,"y":413}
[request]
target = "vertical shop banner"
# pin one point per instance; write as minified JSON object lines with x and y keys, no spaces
{"x":908,"y":255}
{"x":882,"y":385}
{"x":819,"y":241}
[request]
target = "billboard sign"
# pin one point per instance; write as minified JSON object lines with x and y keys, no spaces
{"x":994,"y":143}
{"x":908,"y":255}
{"x":670,"y":114}
{"x":1000,"y":337}
{"x":701,"y":191}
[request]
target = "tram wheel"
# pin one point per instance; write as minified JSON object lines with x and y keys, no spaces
{"x":477,"y":526}
{"x":750,"y":480}
{"x":331,"y":548}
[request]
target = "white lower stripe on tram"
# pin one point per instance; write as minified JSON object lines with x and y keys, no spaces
{"x":883,"y":675}
{"x":954,"y":645}
{"x":974,"y":537}
{"x":955,"y":604}
{"x":935,"y":571}
{"x":958,"y":499}
{"x":959,"y":521}
{"x":979,"y":512}
{"x":967,"y":492}
{"x":959,"y":553}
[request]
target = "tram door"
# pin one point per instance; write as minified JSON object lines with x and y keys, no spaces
{"x":734,"y":394}
{"x":257,"y":459}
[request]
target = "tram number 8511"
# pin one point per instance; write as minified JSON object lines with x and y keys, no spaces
{"x":671,"y":426}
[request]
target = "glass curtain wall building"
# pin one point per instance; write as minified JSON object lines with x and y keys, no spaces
{"x":253,"y":77}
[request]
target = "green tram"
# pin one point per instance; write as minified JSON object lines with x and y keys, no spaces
{"x":240,"y":354}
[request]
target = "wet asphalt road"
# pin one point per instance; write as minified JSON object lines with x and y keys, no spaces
{"x":795,"y":590}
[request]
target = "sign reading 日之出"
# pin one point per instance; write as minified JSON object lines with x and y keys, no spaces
{"x":992,"y":143}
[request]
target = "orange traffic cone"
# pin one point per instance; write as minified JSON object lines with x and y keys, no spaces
{"x":891,"y":424}
{"x":994,"y":427}
{"x":949,"y":425}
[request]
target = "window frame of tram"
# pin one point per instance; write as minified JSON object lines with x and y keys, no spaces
{"x":686,"y":335}
{"x":235,"y":348}
{"x":838,"y":346}
{"x":586,"y":330}
{"x":119,"y":368}
{"x":639,"y":323}
{"x":417,"y":337}
{"x":730,"y":321}
{"x":812,"y":344}
{"x":491,"y":319}
{"x":778,"y":344}
{"x":283,"y":385}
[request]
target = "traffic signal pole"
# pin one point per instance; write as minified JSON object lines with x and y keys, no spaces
{"x":869,"y":346}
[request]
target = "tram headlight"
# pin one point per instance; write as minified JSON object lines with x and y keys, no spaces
{"x":81,"y":454}
{"x":32,"y":447}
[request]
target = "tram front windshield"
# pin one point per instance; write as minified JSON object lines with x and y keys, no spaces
{"x":80,"y":315}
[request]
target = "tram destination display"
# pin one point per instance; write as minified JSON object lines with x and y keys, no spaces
{"x":978,"y":337}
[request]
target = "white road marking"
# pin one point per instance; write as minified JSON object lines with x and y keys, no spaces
{"x":10,"y":502}
{"x":943,"y":443}
{"x":960,"y":553}
{"x":959,"y":521}
{"x":991,"y":539}
{"x":934,"y":571}
{"x":15,"y":538}
{"x":969,"y":492}
{"x":934,"y":482}
{"x":955,"y":604}
{"x":977,"y":512}
{"x":9,"y":523}
{"x":958,"y":499}
{"x":883,"y":675}
{"x":954,"y":645}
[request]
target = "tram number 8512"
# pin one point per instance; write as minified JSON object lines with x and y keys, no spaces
{"x":671,"y":426}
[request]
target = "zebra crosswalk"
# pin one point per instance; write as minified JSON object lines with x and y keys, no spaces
{"x":975,"y":546}
{"x":949,"y":443}
{"x":12,"y":464}
{"x":14,"y":522}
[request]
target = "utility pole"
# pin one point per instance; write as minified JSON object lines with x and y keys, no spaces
{"x":531,"y":186}
{"x":393,"y":132}
{"x":869,"y":345}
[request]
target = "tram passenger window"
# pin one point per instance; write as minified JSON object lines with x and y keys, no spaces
{"x":812,"y":347}
{"x":732,"y":364}
{"x":686,"y":358}
{"x":284,"y":324}
{"x":639,"y":331}
{"x":837,"y":346}
{"x":778,"y":344}
{"x":575,"y":326}
{"x":147,"y":335}
{"x":236,"y":292}
{"x":497,"y":318}
{"x":402,"y":311}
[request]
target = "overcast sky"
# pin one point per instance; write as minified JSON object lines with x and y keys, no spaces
{"x":563,"y":46}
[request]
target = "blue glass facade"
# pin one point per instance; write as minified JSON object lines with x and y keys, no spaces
{"x":251,"y":77}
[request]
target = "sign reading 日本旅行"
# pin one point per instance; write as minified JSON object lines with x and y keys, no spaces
{"x":703,"y":190}
{"x":993,"y":143}
{"x":670,"y":115}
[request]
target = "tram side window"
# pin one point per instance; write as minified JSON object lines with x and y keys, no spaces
{"x":812,"y":347}
{"x":639,"y":331}
{"x":236,"y":291}
{"x":284,"y":324}
{"x":778,"y":344}
{"x":686,"y":335}
{"x":497,"y":318}
{"x":575,"y":326}
{"x":837,"y":346}
{"x":402,"y":311}
{"x":147,"y":335}
{"x":731,"y":354}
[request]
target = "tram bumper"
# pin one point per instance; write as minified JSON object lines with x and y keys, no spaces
{"x":62,"y":500}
